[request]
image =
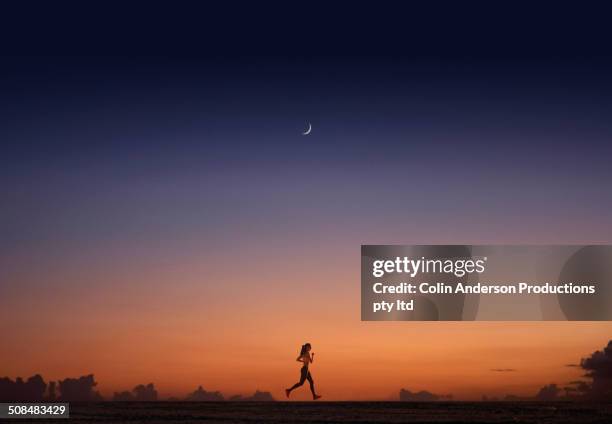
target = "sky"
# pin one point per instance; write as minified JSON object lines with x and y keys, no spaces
{"x":164,"y":220}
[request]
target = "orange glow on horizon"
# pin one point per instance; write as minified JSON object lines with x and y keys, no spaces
{"x":184,"y":334}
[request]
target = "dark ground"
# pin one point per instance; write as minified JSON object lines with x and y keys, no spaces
{"x":340,"y":412}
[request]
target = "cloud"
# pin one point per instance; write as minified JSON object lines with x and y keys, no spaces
{"x":145,"y":393}
{"x":503,"y":370}
{"x":201,"y":395}
{"x":35,"y":389}
{"x":140,"y":393}
{"x":548,"y":393}
{"x":598,"y":366}
{"x":79,"y":389}
{"x":579,"y":386}
{"x":256,"y":397}
{"x":123,"y":397}
{"x":32,"y":390}
{"x":422,"y":396}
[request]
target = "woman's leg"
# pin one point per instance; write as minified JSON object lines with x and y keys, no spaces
{"x":296,"y":385}
{"x":312,"y":389}
{"x":303,"y":376}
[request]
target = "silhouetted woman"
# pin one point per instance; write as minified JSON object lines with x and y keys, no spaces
{"x":306,"y":358}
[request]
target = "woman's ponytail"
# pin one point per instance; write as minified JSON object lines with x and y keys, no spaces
{"x":305,"y":346}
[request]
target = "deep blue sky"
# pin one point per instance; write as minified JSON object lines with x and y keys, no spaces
{"x":181,"y":128}
{"x":84,"y":138}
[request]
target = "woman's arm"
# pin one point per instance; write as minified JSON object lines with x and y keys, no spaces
{"x":312,"y":358}
{"x":299,"y":359}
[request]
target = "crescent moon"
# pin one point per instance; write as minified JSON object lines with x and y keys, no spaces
{"x":308,"y":130}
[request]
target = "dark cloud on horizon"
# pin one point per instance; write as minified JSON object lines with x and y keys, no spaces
{"x":598,"y":366}
{"x":422,"y":396}
{"x":578,"y":387}
{"x":22,"y":391}
{"x":140,"y":393}
{"x":79,"y":389}
{"x":35,"y":389}
{"x":507,"y":398}
{"x":258,"y":396}
{"x":201,"y":395}
{"x":548,"y":393}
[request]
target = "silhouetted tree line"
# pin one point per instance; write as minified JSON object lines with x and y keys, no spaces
{"x":140,"y":393}
{"x":201,"y":395}
{"x":34,"y":389}
{"x":597,"y":367}
{"x":422,"y":396}
{"x":81,"y":389}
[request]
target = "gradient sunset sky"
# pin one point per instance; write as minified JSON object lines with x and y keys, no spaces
{"x":164,"y":220}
